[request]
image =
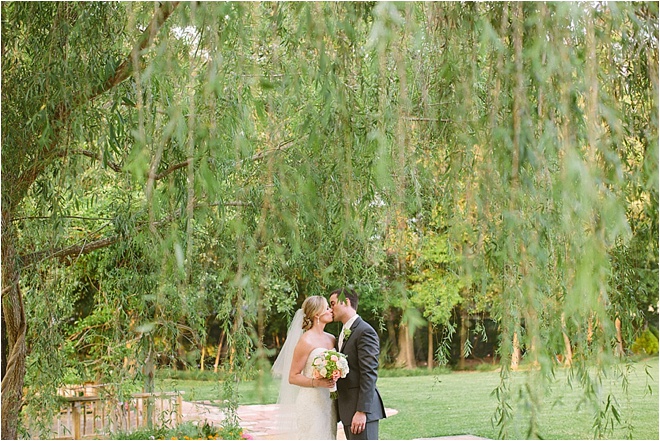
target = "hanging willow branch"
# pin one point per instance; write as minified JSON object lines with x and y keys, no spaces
{"x":13,"y":304}
{"x":89,"y":246}
{"x":282,"y":147}
{"x":125,"y":69}
{"x":170,"y":170}
{"x":99,"y":156}
{"x":63,"y":110}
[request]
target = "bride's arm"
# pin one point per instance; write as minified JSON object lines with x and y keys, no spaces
{"x":298,"y":364}
{"x":296,"y":377}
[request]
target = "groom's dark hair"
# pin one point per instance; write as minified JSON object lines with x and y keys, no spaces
{"x":348,"y":293}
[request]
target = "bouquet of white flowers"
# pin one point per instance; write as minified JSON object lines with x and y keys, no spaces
{"x":330,"y":364}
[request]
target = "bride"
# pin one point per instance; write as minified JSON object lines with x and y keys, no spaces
{"x":305,"y":407}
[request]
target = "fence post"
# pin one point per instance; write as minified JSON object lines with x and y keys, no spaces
{"x":76,"y":420}
{"x":179,"y":410}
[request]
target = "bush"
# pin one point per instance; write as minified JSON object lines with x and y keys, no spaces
{"x":195,"y":374}
{"x":487,"y":367}
{"x":187,"y":431}
{"x":198,"y":375}
{"x":419,"y":372}
{"x":647,"y":343}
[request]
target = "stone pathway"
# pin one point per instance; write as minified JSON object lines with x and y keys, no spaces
{"x":260,"y":421}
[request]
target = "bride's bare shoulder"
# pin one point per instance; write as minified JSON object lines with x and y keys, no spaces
{"x":305,"y":339}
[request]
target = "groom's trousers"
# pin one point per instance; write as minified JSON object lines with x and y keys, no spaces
{"x":370,"y":432}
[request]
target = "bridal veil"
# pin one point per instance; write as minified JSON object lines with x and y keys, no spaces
{"x":281,"y":367}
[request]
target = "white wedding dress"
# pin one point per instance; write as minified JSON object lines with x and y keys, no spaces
{"x":303,"y":412}
{"x":316,"y":416}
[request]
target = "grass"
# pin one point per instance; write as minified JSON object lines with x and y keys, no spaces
{"x":459,"y":403}
{"x":462,"y":403}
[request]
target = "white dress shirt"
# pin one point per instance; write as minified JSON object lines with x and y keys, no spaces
{"x":347,"y":325}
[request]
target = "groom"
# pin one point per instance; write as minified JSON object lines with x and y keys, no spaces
{"x":359,"y":403}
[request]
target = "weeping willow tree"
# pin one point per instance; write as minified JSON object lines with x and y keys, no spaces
{"x":545,"y":133}
{"x":163,"y":163}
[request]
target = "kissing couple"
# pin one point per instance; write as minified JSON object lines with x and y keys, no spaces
{"x":307,"y":409}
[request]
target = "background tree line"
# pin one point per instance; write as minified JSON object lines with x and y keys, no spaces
{"x":166,"y":167}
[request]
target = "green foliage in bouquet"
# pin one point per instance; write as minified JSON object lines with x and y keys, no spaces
{"x":331,"y":364}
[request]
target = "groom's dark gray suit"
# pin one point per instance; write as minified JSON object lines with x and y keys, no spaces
{"x":357,"y":392}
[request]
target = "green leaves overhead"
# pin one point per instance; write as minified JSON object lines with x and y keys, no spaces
{"x":497,"y":157}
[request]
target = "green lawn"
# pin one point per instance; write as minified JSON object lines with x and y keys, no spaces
{"x":462,"y":403}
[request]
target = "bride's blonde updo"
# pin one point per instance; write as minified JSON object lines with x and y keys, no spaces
{"x":312,"y":307}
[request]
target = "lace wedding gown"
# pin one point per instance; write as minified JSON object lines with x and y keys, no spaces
{"x":316,"y":416}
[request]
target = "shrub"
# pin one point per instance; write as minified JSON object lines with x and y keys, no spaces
{"x":487,"y":367}
{"x":198,"y":375}
{"x":187,"y":431}
{"x":647,"y":343}
{"x":419,"y":372}
{"x":195,"y":374}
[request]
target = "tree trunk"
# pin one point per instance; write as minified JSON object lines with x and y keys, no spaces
{"x":201,"y":361}
{"x":463,"y":337}
{"x":149,"y":385}
{"x":568,"y":350}
{"x":181,"y":352}
{"x":619,"y":338}
{"x":391,"y":334}
{"x":4,"y":344}
{"x":406,"y":357}
{"x":515,"y":355}
{"x":15,"y":351}
{"x":217,"y":356}
{"x":430,"y":356}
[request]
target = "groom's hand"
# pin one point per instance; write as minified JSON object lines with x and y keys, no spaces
{"x":359,"y":423}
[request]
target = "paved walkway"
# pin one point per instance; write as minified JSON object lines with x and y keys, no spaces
{"x":260,"y":421}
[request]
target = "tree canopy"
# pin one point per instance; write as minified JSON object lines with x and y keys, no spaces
{"x":165,"y":165}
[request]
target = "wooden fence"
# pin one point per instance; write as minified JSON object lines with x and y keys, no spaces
{"x":94,"y":416}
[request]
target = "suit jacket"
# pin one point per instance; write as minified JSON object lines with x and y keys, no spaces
{"x":358,"y":392}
